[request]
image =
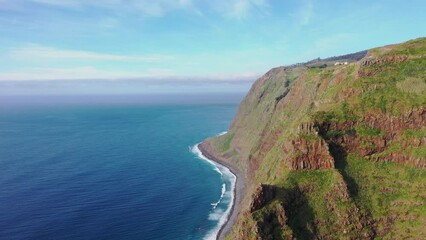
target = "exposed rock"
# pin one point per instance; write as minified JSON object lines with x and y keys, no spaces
{"x":308,"y":150}
{"x":413,"y":119}
{"x":263,"y":194}
{"x":273,"y":224}
{"x":307,"y":128}
{"x":311,"y":155}
{"x":391,"y":128}
{"x":400,"y":157}
{"x":371,"y":66}
{"x":387,"y":59}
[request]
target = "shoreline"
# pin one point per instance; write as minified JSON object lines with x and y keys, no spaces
{"x":238,"y":192}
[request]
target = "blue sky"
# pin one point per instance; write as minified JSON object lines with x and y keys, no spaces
{"x":184,"y":45}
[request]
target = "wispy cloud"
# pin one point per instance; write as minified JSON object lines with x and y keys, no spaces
{"x":304,"y":14}
{"x":42,"y":52}
{"x":61,"y":3}
{"x":241,"y":9}
{"x":151,"y":8}
{"x":238,"y":9}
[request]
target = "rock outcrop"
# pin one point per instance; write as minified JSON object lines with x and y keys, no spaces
{"x":387,"y":132}
{"x":311,"y":155}
{"x":309,"y":150}
{"x":388,"y":59}
{"x":262,"y":195}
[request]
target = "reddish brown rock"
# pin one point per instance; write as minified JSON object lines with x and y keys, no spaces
{"x":374,"y":147}
{"x":309,"y":150}
{"x":263,"y":194}
{"x":413,"y":119}
{"x":311,"y":155}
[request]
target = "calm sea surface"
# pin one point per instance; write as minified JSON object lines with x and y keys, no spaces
{"x":120,"y":171}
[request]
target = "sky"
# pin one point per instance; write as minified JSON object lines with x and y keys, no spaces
{"x":173,"y":46}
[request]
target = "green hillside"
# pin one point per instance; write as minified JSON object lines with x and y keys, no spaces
{"x":342,"y":149}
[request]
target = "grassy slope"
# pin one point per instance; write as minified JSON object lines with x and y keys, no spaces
{"x":360,"y":198}
{"x":393,"y":194}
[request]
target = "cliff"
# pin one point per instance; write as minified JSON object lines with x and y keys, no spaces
{"x":332,"y":152}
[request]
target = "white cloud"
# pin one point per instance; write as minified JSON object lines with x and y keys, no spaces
{"x":77,"y":73}
{"x":45,"y":53}
{"x":238,"y":9}
{"x":92,"y":73}
{"x":233,"y":77}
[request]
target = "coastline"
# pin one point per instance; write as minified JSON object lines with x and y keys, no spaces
{"x":239,"y":189}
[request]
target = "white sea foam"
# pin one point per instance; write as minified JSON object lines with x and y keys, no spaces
{"x":221,"y":196}
{"x":217,"y":214}
{"x":199,"y":154}
{"x":222,"y":133}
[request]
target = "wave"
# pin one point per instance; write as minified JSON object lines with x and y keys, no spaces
{"x":221,"y":196}
{"x":200,"y":155}
{"x":217,"y":214}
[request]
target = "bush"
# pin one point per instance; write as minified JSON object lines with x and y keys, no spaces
{"x":364,"y":130}
{"x":322,"y":117}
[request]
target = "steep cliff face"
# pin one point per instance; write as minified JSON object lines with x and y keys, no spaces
{"x":381,"y":137}
{"x":308,"y":150}
{"x":334,"y":152}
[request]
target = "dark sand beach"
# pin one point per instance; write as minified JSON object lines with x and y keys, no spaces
{"x":239,"y":191}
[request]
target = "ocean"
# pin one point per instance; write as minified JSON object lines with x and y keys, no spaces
{"x":126,"y":170}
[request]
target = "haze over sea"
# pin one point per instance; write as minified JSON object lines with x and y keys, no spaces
{"x":110,"y":167}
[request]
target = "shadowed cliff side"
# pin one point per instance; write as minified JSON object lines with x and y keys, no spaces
{"x":333,"y":152}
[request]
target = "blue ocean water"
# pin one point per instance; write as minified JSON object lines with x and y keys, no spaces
{"x":122,"y":171}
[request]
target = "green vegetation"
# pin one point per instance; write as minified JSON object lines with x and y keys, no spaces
{"x":367,"y":195}
{"x":322,"y":117}
{"x":418,"y":152}
{"x":391,"y":193}
{"x":390,"y":149}
{"x":363,"y":130}
{"x":223,"y":143}
{"x":396,"y":88}
{"x":419,"y":134}
{"x":340,"y":113}
{"x":333,"y":133}
{"x":273,"y":229}
{"x":412,"y":85}
{"x":314,"y":71}
{"x":309,"y":137}
{"x":412,"y":47}
{"x":304,"y":196}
